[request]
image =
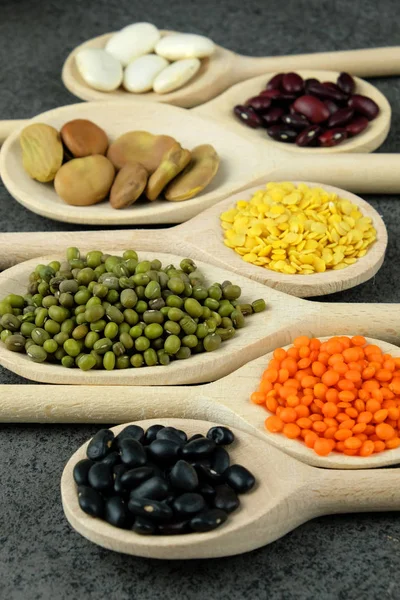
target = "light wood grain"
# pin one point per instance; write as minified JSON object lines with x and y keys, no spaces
{"x":285,"y":317}
{"x":214,"y":402}
{"x":202,"y":238}
{"x":221,"y":109}
{"x":244,"y":162}
{"x":225,"y":68}
{"x":287,"y":494}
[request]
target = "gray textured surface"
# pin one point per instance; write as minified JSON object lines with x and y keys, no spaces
{"x":331,"y":558}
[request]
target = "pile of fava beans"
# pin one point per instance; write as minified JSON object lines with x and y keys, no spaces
{"x":160,"y":481}
{"x":308,"y":112}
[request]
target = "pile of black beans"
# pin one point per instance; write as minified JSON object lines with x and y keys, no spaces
{"x":309,"y":112}
{"x":160,"y":481}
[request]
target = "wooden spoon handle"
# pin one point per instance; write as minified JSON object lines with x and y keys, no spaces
{"x":360,"y":173}
{"x":7,"y":127}
{"x":381,"y":321}
{"x":372,"y":62}
{"x":338,"y":491}
{"x":17,"y":247}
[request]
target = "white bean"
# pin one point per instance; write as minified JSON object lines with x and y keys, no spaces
{"x":99,"y":69}
{"x":176,"y":75}
{"x":184,"y":45}
{"x":140,"y":74}
{"x":133,"y":41}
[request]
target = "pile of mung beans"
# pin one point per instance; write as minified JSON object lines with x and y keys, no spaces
{"x":110,"y":312}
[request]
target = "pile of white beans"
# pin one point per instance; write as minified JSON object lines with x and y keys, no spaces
{"x":141,"y":60}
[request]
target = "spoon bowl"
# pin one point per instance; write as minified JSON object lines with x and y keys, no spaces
{"x":244,"y":162}
{"x":285,"y":318}
{"x":225,"y":68}
{"x":287,"y":494}
{"x":202,"y":238}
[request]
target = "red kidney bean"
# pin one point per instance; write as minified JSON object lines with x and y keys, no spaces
{"x":309,"y":82}
{"x":332,"y":137}
{"x":296,"y":121}
{"x":273,"y":116}
{"x":346,"y":83}
{"x":356,"y":126}
{"x":292,"y":83}
{"x":282,"y":133}
{"x":248,"y":116}
{"x":364,"y":105}
{"x":332,"y":86}
{"x":332,"y":106}
{"x":326,"y":93}
{"x":309,"y":136}
{"x":341,"y":117}
{"x":259,"y":103}
{"x":275,"y":82}
{"x":312,"y":108}
{"x":273,"y":94}
{"x":286,"y":98}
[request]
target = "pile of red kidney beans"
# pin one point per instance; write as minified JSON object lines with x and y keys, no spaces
{"x":308,"y":112}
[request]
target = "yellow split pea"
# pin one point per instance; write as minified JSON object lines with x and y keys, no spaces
{"x":297,"y":230}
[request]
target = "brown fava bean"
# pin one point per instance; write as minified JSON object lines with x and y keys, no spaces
{"x":139,"y":146}
{"x":83,"y":138}
{"x":275,"y":82}
{"x":312,"y":108}
{"x":196,"y":176}
{"x":332,"y":137}
{"x":128,"y":185}
{"x":273,"y":116}
{"x":259,"y":103}
{"x":85,"y":181}
{"x":248,"y":116}
{"x":282,"y":133}
{"x":173,"y":162}
{"x":346,"y":83}
{"x":309,"y":136}
{"x":365,"y":106}
{"x":341,"y":117}
{"x":292,"y":83}
{"x":356,"y":125}
{"x":42,"y":151}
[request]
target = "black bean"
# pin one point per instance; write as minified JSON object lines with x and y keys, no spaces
{"x":207,"y":491}
{"x":222,"y":436}
{"x":196,"y":436}
{"x":189,"y":504}
{"x":101,"y":477}
{"x":170,"y":433}
{"x":220,"y":460}
{"x":112,"y":459}
{"x":81,"y":471}
{"x":116,"y":512}
{"x":164,"y":452}
{"x":239,"y":478}
{"x":155,"y":488}
{"x":118,"y":472}
{"x":131,"y":431}
{"x":208,"y":520}
{"x":134,"y":477}
{"x":208,"y":475}
{"x":132,"y":453}
{"x":152,"y":509}
{"x":226,"y":499}
{"x":151,"y":433}
{"x":143,"y":526}
{"x":198,"y":448}
{"x":176,"y":528}
{"x":90,"y":501}
{"x":183,"y":476}
{"x":100,"y":444}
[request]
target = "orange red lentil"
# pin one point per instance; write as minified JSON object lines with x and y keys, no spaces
{"x":342,"y":395}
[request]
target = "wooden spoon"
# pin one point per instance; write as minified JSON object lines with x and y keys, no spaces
{"x":202,"y":238}
{"x":225,"y":68}
{"x":288,"y":493}
{"x":285,"y":318}
{"x":213,"y":401}
{"x":244,"y":162}
{"x":221,"y":109}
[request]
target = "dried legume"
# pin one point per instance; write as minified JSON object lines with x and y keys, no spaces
{"x":297,"y":230}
